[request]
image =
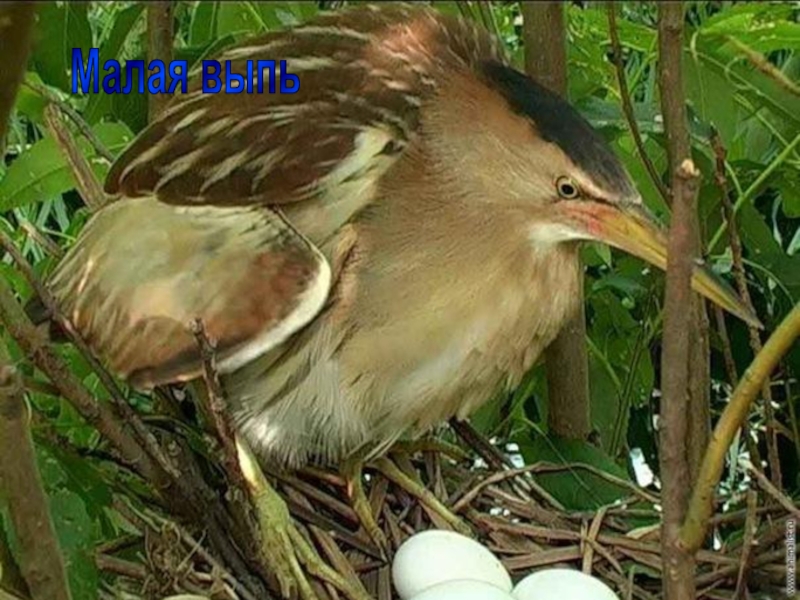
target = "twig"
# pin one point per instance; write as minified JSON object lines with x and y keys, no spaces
{"x":755,"y":187}
{"x":40,"y":559}
{"x":675,"y":363}
{"x":217,"y":404}
{"x":701,"y":505}
{"x":750,"y":528}
{"x":90,"y":189}
{"x":760,"y":62}
{"x":48,"y":245}
{"x":83,"y":127}
{"x":740,"y":277}
{"x":627,"y":104}
{"x":159,"y":47}
{"x":145,"y":437}
{"x":99,"y":415}
{"x":775,"y":492}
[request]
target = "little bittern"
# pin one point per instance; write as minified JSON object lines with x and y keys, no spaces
{"x":375,"y":254}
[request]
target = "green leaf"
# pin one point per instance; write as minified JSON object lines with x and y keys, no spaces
{"x":239,"y":17}
{"x":42,"y":171}
{"x":61,"y":26}
{"x":203,"y":27}
{"x":575,"y":488}
{"x":100,"y":104}
{"x":76,"y":531}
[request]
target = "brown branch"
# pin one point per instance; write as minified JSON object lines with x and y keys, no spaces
{"x":675,"y":360}
{"x":217,"y":406}
{"x":701,"y":505}
{"x":83,"y":127}
{"x":627,"y":104}
{"x":750,"y":529}
{"x":566,"y":359}
{"x":740,"y":277}
{"x":761,"y":62}
{"x":41,"y":562}
{"x":48,"y":245}
{"x":85,"y":180}
{"x":773,"y":491}
{"x":159,"y":46}
{"x":16,"y":34}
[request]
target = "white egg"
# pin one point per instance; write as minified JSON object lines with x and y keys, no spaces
{"x":562,"y":584}
{"x":463,"y":590}
{"x":436,"y":556}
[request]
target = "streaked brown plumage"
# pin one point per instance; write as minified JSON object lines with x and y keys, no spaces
{"x":379,"y":252}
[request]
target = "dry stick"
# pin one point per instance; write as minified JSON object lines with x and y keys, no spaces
{"x":770,"y":489}
{"x":701,"y":505}
{"x":90,"y":189}
{"x":740,"y":277}
{"x":493,"y":457}
{"x":761,"y":62}
{"x":48,"y":245}
{"x":679,"y":565}
{"x":159,"y":47}
{"x":83,"y":127}
{"x":16,"y":33}
{"x":750,"y":528}
{"x":40,"y":559}
{"x":567,"y":361}
{"x":627,"y":104}
{"x":730,"y":368}
{"x":217,"y":404}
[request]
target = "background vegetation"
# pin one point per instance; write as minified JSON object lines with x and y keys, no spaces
{"x":741,"y":65}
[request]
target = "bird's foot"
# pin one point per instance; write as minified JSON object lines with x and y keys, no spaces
{"x":353,"y":472}
{"x":286,"y":551}
{"x":417,"y":490}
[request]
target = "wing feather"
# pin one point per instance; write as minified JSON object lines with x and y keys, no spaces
{"x":143,"y":271}
{"x":362,"y":70}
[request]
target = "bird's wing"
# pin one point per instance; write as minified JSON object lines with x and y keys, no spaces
{"x":143,"y":271}
{"x":199,"y":232}
{"x":363,"y":74}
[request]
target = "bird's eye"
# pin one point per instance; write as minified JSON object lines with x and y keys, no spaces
{"x":567,"y":188}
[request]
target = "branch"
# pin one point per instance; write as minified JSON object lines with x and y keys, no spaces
{"x":83,"y":127}
{"x":701,"y":505}
{"x":121,"y":404}
{"x":41,"y":562}
{"x":16,"y":33}
{"x":567,"y":361}
{"x":159,"y":47}
{"x":90,"y":189}
{"x":33,"y":343}
{"x":546,"y":44}
{"x":675,"y":362}
{"x":627,"y":105}
{"x":740,"y":278}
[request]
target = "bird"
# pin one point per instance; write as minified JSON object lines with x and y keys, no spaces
{"x":373,"y":255}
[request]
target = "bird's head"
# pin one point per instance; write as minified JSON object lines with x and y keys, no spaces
{"x":560,"y":175}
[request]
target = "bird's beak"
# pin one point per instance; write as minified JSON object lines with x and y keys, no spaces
{"x":630,"y":228}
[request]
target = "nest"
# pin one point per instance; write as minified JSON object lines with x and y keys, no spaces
{"x":526,"y":527}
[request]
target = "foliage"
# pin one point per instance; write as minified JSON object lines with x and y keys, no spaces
{"x":757,"y":116}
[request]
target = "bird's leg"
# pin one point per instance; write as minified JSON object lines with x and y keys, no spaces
{"x":352,"y":468}
{"x":416,"y":489}
{"x":276,"y":527}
